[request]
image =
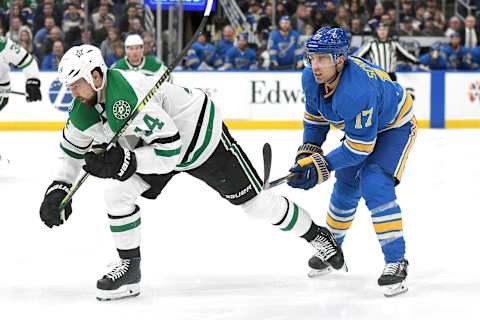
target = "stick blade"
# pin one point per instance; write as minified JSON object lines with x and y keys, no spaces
{"x":267,"y":164}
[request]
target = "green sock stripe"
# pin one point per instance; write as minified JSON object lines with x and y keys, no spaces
{"x":126,"y":227}
{"x":294,"y":219}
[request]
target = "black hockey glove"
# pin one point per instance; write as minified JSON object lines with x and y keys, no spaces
{"x":32,"y":89}
{"x":117,"y":163}
{"x":49,"y":210}
{"x":310,"y":167}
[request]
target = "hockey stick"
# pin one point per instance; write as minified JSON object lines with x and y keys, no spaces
{"x":267,"y":166}
{"x":142,"y":104}
{"x":13,"y":92}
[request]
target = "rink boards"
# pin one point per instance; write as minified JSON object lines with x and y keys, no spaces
{"x":263,"y":100}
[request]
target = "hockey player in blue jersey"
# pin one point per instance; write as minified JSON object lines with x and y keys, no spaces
{"x":376,"y":115}
{"x":435,"y":58}
{"x":285,"y":47}
{"x":240,"y":56}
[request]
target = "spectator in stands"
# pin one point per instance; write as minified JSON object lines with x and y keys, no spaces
{"x":51,"y":61}
{"x":240,"y":56}
{"x":376,"y":18}
{"x":125,"y":21}
{"x":100,"y":16}
{"x":429,"y":29}
{"x":254,"y":13}
{"x":342,"y":19}
{"x":14,"y":32}
{"x":356,"y":27}
{"x":285,"y":48}
{"x":117,"y":54}
{"x":41,"y":35}
{"x":330,"y":13}
{"x":469,"y":34}
{"x":72,"y":23}
{"x":301,"y":18}
{"x":21,"y":10}
{"x":106,"y":47}
{"x":227,"y":42}
{"x":202,"y":56}
{"x":47,"y":11}
{"x":407,"y":29}
{"x":264,"y":24}
{"x":25,"y":40}
{"x":148,"y":44}
{"x":458,"y":57}
{"x":135,"y":26}
{"x":435,"y":58}
{"x":54,"y":35}
{"x":99,"y":35}
{"x":407,"y":9}
{"x":454,"y":26}
{"x":357,"y":12}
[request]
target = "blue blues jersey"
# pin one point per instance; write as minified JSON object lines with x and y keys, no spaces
{"x":457,"y":59}
{"x":202,"y":53}
{"x":362,"y":102}
{"x":222,"y":47}
{"x":241,"y":60}
{"x":475,"y":56}
{"x":438,"y":64}
{"x":285,"y":50}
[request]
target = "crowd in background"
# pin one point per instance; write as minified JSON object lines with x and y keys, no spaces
{"x":48,"y":28}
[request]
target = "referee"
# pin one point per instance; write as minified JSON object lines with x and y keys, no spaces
{"x":383,"y":51}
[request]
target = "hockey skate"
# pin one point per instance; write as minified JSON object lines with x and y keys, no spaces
{"x":122,"y":282}
{"x":329,"y":255}
{"x":393,"y":279}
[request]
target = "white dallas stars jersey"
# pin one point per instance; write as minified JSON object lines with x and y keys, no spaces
{"x":178,"y":129}
{"x":12,"y":53}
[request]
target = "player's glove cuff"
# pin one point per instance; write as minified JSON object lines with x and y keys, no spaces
{"x":321,"y":165}
{"x":308,"y":149}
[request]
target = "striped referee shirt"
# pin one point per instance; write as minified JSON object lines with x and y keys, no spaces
{"x":384,"y":54}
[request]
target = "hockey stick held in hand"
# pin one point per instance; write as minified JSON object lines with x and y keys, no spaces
{"x":145,"y":100}
{"x":267,"y":166}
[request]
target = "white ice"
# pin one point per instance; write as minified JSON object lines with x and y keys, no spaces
{"x":203,"y":259}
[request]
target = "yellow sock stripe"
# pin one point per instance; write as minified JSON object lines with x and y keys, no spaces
{"x":413,"y":135}
{"x":340,"y":225}
{"x":388,"y":226}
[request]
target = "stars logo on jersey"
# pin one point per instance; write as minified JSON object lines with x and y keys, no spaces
{"x":121,"y":109}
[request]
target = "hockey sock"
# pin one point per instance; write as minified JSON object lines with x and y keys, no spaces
{"x":126,"y":232}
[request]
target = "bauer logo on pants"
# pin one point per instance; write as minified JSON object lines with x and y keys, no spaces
{"x":121,"y":109}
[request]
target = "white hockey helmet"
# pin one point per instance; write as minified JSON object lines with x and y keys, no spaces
{"x":79,"y":62}
{"x":133,"y":40}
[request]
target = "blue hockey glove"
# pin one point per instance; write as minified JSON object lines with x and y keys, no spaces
{"x":310,"y":171}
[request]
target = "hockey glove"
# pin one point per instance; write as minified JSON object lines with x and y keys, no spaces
{"x":311,"y":168}
{"x":49,"y":210}
{"x":117,"y":163}
{"x":32,"y":89}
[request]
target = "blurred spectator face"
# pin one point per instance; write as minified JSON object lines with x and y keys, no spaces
{"x":112,"y":35}
{"x":242,"y":43}
{"x":118,"y":50}
{"x":382,"y":33}
{"x":47,"y":9}
{"x":131,"y":12}
{"x":342,"y":13}
{"x":429,"y":24}
{"x":309,"y":29}
{"x":386,"y":19}
{"x":254,"y":7}
{"x":407,"y":6}
{"x":285,"y":25}
{"x":228,"y":33}
{"x":419,"y":13}
{"x":103,"y":11}
{"x":302,"y":12}
{"x":147,"y":43}
{"x":330,"y":6}
{"x":55,"y":33}
{"x":136,"y":25}
{"x":431,"y":5}
{"x":356,"y":25}
{"x":454,"y":23}
{"x":470,"y":22}
{"x":71,"y":10}
{"x":49,"y":23}
{"x":24,"y":37}
{"x":108,"y":24}
{"x":378,"y":10}
{"x":268,"y":10}
{"x":455,"y":40}
{"x":15,"y":23}
{"x":407,"y":25}
{"x":393,"y":14}
{"x":15,"y":11}
{"x":57,"y":49}
{"x":135,"y":54}
{"x":354,"y":7}
{"x":202,"y":38}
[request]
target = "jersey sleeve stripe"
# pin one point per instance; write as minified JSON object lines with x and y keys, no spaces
{"x":23,"y":59}
{"x":359,"y":148}
{"x":167,"y":153}
{"x":74,"y":145}
{"x":27,"y":63}
{"x":310,"y":118}
{"x":72,"y":154}
{"x":166,"y":140}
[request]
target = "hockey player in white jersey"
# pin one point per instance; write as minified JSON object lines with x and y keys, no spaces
{"x":179,"y":130}
{"x":12,"y":54}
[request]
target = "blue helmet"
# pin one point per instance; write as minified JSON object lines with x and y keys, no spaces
{"x":334,"y":41}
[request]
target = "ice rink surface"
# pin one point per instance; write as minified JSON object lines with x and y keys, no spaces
{"x":203,"y":259}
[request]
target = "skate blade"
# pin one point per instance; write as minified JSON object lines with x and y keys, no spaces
{"x":314,"y":273}
{"x":394,"y":289}
{"x":126,"y":291}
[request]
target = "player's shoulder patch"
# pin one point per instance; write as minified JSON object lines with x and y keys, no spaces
{"x":81,"y":116}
